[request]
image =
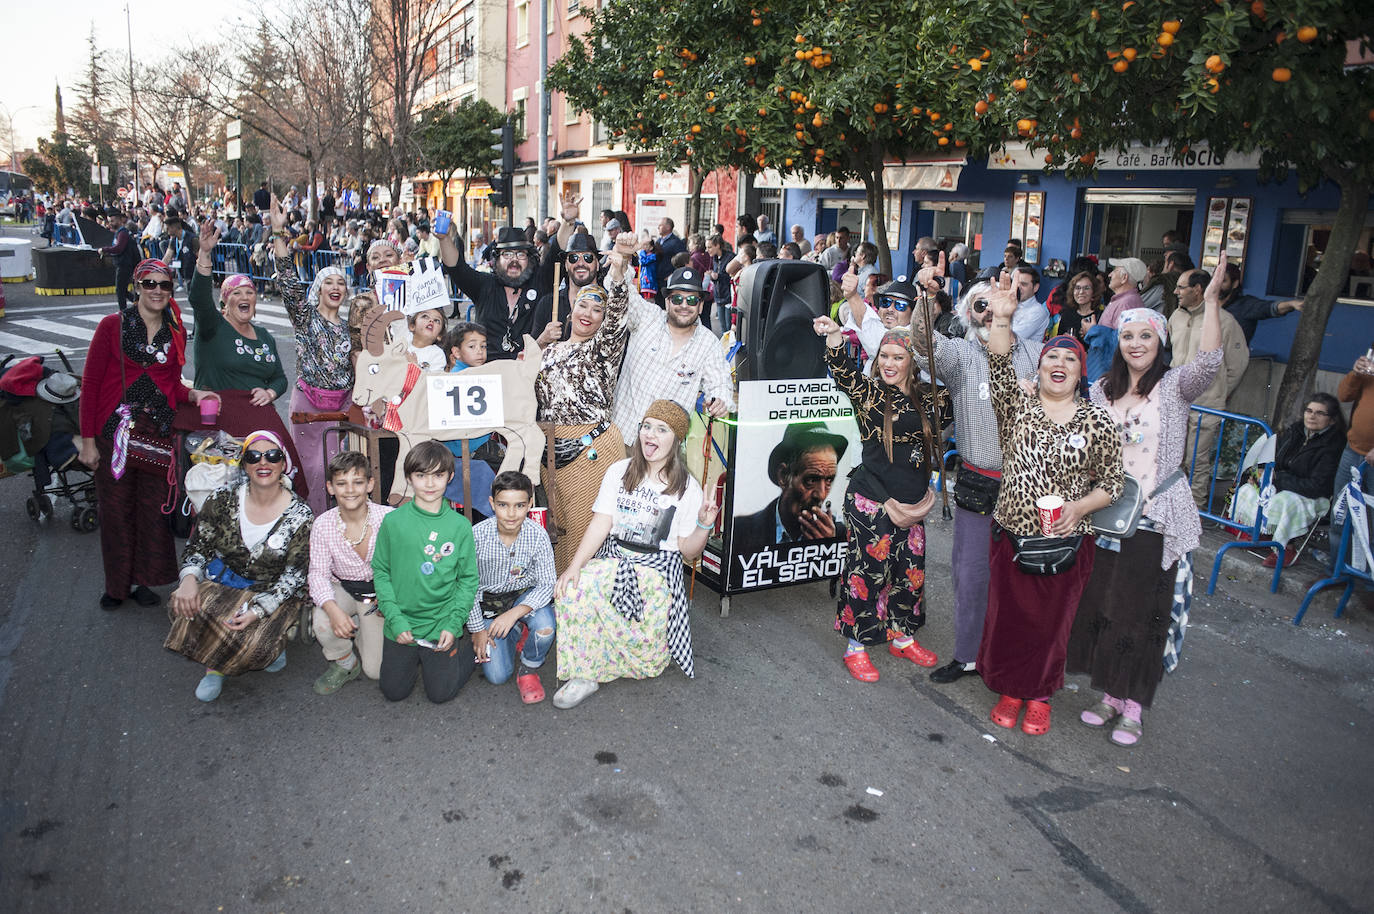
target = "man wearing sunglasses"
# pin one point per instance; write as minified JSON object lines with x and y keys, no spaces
{"x":962,"y":365}
{"x":581,"y":267}
{"x":671,"y":355}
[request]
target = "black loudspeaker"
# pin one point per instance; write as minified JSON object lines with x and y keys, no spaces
{"x":779,"y":300}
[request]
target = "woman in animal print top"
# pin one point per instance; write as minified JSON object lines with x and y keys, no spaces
{"x":1053,"y":443}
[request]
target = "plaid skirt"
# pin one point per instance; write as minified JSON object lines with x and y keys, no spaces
{"x":205,"y":639}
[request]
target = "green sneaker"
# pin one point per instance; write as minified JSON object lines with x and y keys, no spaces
{"x":333,"y":679}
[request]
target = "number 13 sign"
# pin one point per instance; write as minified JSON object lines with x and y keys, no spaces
{"x":465,"y":401}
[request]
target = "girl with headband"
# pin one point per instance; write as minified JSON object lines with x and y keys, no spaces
{"x":886,"y":501}
{"x":1054,"y":446}
{"x":132,"y":385}
{"x":1121,"y":635}
{"x":623,"y":615}
{"x":243,"y":574}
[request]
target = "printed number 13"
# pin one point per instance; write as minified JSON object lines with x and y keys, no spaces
{"x":476,"y":400}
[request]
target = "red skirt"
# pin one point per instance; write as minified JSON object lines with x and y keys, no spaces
{"x":1026,"y":634}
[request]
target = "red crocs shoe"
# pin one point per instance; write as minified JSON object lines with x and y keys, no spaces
{"x":913,"y":652}
{"x":531,"y":689}
{"x":1005,"y":712}
{"x":860,"y":666}
{"x":1037,"y":720}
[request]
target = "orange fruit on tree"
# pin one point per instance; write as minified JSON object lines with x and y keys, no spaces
{"x":817,"y":121}
{"x":658,"y":74}
{"x":975,"y":64}
{"x":1213,"y":85}
{"x":943,"y":141}
{"x":1095,"y":16}
{"x":1281,"y":74}
{"x":1088,"y":158}
{"x":710,"y":95}
{"x":1077,"y":80}
{"x":1257,"y":9}
{"x":1171,"y":26}
{"x":696,"y":128}
{"x":763,"y":112}
{"x":1165,"y":39}
{"x":1281,"y":37}
{"x":710,"y":109}
{"x":799,"y":54}
{"x":1121,"y":66}
{"x":1214,"y":64}
{"x":663,"y":96}
{"x":980,"y":107}
{"x":1128,"y":53}
{"x":1127,"y":5}
{"x":758,"y":21}
{"x":1307,"y":34}
{"x":1076,"y":133}
{"x":1019,"y":84}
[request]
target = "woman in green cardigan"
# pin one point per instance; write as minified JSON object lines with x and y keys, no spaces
{"x":235,"y":357}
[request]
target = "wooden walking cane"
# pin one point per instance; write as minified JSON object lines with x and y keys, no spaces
{"x":705,"y":475}
{"x":557,"y":288}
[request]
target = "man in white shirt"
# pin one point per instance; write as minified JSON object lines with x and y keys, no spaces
{"x":1032,"y":318}
{"x":837,"y":251}
{"x":671,"y":355}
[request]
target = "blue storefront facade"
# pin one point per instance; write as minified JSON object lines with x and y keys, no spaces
{"x":1275,"y":230}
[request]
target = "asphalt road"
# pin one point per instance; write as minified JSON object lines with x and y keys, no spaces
{"x":746,"y":789}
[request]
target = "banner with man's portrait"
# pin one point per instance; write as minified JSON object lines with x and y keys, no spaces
{"x":795,"y":444}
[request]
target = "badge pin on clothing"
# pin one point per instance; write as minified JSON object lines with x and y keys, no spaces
{"x":1077,"y":441}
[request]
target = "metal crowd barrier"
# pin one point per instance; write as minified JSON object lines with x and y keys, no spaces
{"x":1231,"y":482}
{"x":1345,"y":572}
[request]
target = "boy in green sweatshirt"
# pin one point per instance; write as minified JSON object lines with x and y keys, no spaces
{"x":424,"y":568}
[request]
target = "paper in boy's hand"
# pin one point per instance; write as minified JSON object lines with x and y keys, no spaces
{"x":425,"y":642}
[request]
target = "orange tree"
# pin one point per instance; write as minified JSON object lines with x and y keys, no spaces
{"x":815,"y":89}
{"x":1240,"y":76}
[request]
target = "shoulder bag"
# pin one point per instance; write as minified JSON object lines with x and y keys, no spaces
{"x":1121,"y":517}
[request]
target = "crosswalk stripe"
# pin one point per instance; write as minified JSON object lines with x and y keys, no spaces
{"x":64,"y":330}
{"x":24,"y":345}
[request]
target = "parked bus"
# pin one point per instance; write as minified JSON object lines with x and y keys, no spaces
{"x":12,"y":185}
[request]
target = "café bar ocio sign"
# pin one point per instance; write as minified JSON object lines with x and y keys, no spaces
{"x":1016,"y":157}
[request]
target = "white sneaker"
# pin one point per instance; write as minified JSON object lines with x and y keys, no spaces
{"x":574,"y":693}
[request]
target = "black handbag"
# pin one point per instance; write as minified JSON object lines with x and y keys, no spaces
{"x":975,"y":492}
{"x":1045,"y":554}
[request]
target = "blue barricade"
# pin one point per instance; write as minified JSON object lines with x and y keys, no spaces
{"x":1221,"y":514}
{"x":1345,"y":572}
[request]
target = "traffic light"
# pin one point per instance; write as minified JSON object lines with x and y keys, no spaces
{"x":500,"y":192}
{"x":503,"y":149}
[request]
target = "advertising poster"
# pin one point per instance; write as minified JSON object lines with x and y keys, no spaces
{"x":796,"y":443}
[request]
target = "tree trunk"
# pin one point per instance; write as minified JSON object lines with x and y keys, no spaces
{"x":186,"y":179}
{"x":311,"y":169}
{"x":1329,"y":283}
{"x":873,"y":190}
{"x":693,"y":202}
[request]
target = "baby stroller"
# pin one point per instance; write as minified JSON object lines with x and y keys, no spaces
{"x":39,"y":422}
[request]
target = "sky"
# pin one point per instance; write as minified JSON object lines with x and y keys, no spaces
{"x":53,"y":49}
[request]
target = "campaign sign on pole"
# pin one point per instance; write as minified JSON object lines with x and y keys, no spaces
{"x":462,"y":400}
{"x":795,"y":444}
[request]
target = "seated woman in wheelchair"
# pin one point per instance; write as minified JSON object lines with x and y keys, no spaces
{"x":1305,"y":460}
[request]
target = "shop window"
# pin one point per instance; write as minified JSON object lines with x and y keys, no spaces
{"x":1302,"y":240}
{"x":522,"y":23}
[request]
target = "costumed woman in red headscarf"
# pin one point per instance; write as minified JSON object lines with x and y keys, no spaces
{"x":129,"y":394}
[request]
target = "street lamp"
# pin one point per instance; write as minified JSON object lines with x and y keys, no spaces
{"x":9,"y":121}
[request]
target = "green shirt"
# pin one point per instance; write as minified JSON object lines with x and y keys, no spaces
{"x":424,"y":567}
{"x":226,"y":360}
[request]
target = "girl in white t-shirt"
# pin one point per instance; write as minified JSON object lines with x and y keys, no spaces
{"x":624,"y":612}
{"x":426,"y":329}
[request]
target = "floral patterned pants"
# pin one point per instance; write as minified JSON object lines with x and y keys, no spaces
{"x":884,"y":577}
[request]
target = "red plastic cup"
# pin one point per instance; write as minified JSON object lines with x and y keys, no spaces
{"x":1050,"y":507}
{"x":209,"y":410}
{"x":540,"y":516}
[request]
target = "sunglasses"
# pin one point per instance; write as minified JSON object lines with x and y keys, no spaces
{"x":896,"y":304}
{"x":980,"y":306}
{"x":166,"y":285}
{"x":692,"y":300}
{"x":586,"y":442}
{"x":273,"y":456}
{"x":583,"y":257}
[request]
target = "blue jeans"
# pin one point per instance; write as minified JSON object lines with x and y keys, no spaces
{"x":1350,"y":458}
{"x":501,"y":651}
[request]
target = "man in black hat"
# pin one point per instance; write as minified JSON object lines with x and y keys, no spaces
{"x":670,"y":355}
{"x":803,"y":465}
{"x":581,"y":267}
{"x":506,"y":297}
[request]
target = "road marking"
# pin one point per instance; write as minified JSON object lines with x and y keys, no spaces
{"x":66,"y":330}
{"x":24,"y":344}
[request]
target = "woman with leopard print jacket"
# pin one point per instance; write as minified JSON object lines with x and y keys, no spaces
{"x":1053,"y":443}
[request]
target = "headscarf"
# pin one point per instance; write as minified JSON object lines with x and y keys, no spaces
{"x":383,"y":243}
{"x":153,"y":265}
{"x":272,"y":439}
{"x":671,"y":415}
{"x":232,"y":282}
{"x":1149,"y":316}
{"x":901,"y":336}
{"x":592,"y":291}
{"x":312,"y":298}
{"x":1066,"y":341}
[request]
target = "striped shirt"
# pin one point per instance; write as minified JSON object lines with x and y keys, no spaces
{"x":654,"y":371}
{"x":331,"y":556}
{"x":525,"y":565}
